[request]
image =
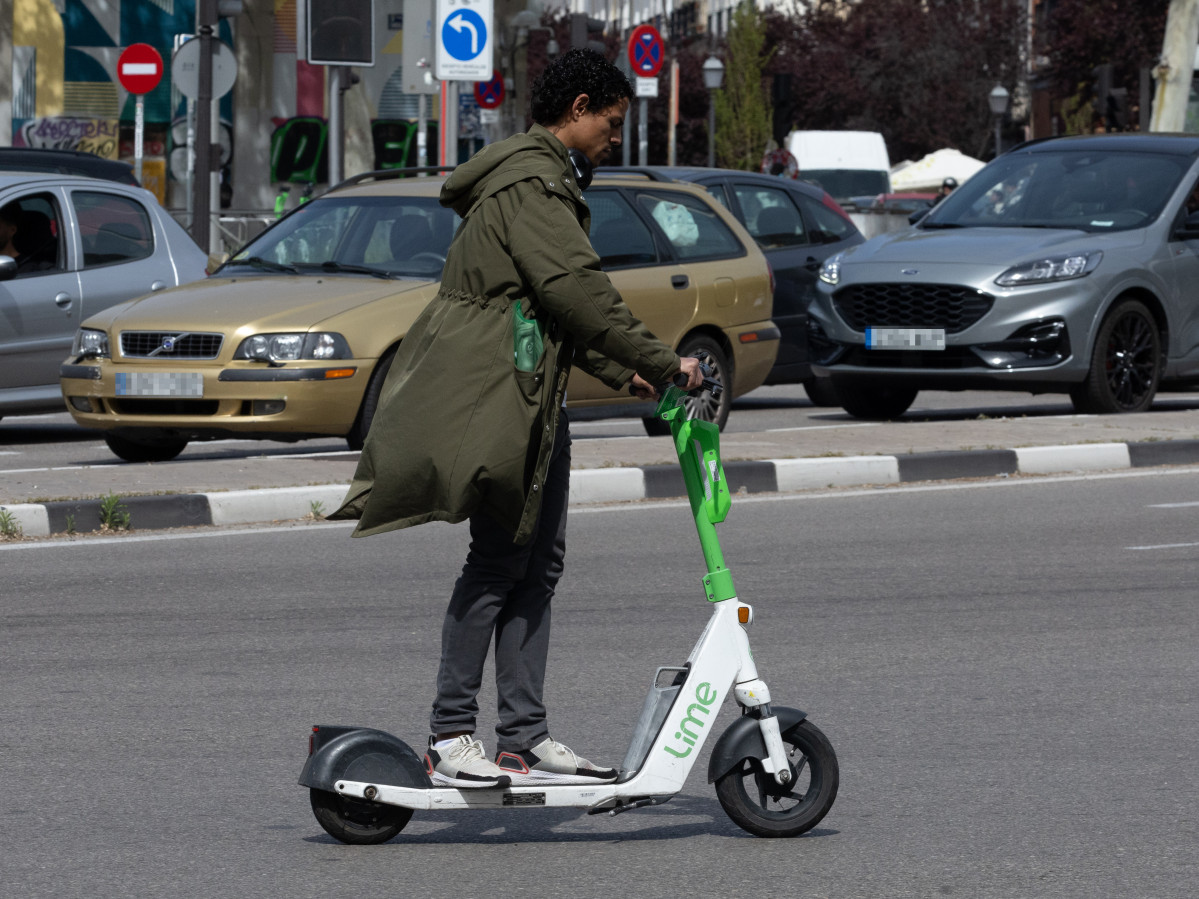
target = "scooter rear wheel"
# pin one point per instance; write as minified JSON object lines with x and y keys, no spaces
{"x":357,"y":821}
{"x":759,"y":804}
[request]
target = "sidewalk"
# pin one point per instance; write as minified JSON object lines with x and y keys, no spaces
{"x":838,"y":452}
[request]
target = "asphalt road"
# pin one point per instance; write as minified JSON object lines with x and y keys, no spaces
{"x":1005,"y":669}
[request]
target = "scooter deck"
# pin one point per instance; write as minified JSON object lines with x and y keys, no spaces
{"x":592,"y":797}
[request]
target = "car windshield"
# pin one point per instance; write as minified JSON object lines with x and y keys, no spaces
{"x":1073,"y":189}
{"x":395,"y":237}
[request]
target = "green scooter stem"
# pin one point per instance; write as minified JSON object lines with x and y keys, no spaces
{"x":697,"y":443}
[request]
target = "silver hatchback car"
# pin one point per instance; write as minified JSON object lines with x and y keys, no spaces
{"x":1069,"y":265}
{"x":71,"y":246}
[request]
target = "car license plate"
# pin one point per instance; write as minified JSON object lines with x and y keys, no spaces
{"x":160,"y":383}
{"x":905,"y":338}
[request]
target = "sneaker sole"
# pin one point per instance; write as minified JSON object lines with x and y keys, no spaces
{"x":444,"y":780}
{"x":548,"y":778}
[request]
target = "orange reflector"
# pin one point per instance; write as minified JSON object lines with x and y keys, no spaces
{"x":743,"y":614}
{"x":339,"y":373}
{"x":749,"y":337}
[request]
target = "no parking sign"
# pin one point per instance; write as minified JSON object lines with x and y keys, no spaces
{"x":490,"y":94}
{"x":646,"y":51}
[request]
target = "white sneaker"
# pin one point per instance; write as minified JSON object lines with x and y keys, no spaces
{"x":463,"y":763}
{"x":549,"y":762}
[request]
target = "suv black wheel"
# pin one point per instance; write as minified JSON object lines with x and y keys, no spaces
{"x":820,"y":391}
{"x":873,"y":398}
{"x":1126,"y":363}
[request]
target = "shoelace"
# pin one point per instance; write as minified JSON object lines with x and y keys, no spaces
{"x":565,"y":750}
{"x":465,"y":752}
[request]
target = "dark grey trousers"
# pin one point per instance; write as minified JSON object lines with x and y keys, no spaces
{"x":505,"y":591}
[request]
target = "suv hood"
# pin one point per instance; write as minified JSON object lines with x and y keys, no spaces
{"x":1000,"y":247}
{"x":271,"y":302}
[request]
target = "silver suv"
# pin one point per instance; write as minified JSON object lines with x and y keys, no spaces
{"x":1068,"y":265}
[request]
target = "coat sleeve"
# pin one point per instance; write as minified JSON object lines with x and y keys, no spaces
{"x":600,"y":366}
{"x":552,"y":251}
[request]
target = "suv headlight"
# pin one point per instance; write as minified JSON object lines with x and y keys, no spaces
{"x":293,"y":347}
{"x":830,"y":272}
{"x":1050,"y":268}
{"x":90,"y":343}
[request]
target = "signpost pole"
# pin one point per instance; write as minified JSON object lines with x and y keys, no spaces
{"x":643,"y":132}
{"x":206,"y":20}
{"x":336,"y":138}
{"x":139,"y":134}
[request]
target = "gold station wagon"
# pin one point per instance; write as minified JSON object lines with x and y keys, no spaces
{"x":293,"y":336}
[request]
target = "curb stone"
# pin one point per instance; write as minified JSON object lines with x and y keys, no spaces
{"x":606,"y":485}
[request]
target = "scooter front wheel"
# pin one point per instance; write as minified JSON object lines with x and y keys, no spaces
{"x":357,"y":821}
{"x":759,"y":804}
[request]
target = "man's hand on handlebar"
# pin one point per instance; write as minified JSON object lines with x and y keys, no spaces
{"x":688,"y":365}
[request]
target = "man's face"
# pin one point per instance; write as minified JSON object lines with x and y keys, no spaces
{"x":598,"y":134}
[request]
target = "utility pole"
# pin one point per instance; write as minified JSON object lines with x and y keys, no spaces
{"x":1177,"y":66}
{"x":206,"y":22}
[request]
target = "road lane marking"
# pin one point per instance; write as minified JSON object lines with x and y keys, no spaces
{"x":1164,"y":546}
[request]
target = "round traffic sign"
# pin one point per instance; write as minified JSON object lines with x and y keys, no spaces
{"x":139,"y":68}
{"x":490,"y":94}
{"x":646,"y":51}
{"x":185,"y":68}
{"x":464,"y":35}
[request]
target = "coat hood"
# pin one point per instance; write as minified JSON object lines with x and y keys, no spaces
{"x":535,"y":154}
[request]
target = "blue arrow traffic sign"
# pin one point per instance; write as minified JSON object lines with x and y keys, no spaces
{"x":464,"y":35}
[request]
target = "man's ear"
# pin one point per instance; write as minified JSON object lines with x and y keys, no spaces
{"x":579,"y":106}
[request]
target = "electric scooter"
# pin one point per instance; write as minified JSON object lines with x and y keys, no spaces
{"x":776,"y":774}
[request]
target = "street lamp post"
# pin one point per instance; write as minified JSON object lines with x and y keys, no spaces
{"x":713,"y":77}
{"x":998,"y":98}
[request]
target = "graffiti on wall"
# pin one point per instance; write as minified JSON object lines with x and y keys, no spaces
{"x":92,"y":135}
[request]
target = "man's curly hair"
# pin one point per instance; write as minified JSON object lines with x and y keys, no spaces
{"x":577,"y":71}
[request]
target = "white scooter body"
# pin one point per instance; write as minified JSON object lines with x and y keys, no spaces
{"x":364,"y":783}
{"x":720,"y":660}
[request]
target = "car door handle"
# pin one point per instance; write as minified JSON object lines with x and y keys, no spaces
{"x":158,"y":285}
{"x":62,"y":300}
{"x":813,"y":264}
{"x":679,"y":281}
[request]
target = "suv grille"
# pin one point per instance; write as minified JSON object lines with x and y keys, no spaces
{"x":945,"y":306}
{"x":187,"y":345}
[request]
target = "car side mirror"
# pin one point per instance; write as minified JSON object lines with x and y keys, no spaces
{"x":8,"y":268}
{"x":916,"y":216}
{"x":1188,"y":229}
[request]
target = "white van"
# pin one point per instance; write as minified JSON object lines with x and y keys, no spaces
{"x":845,"y":163}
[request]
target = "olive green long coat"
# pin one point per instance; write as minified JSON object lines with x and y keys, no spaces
{"x":458,"y":427}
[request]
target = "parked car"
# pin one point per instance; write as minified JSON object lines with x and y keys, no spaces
{"x":293,"y":337}
{"x":65,"y":162}
{"x":1068,"y":265}
{"x":798,"y":226}
{"x":90,"y":244}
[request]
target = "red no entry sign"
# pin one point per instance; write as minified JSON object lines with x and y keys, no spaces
{"x":490,"y":94}
{"x":646,"y":51}
{"x":139,"y":68}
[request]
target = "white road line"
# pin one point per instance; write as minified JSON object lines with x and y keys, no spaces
{"x":864,"y":424}
{"x":1164,"y":546}
{"x":60,"y":468}
{"x":1172,"y":505}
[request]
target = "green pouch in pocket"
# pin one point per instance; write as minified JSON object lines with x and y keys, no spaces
{"x":528,"y":340}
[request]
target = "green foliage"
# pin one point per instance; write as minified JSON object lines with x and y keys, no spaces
{"x":742,"y":106}
{"x":1077,"y":113}
{"x":113,"y":514}
{"x":10,"y":529}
